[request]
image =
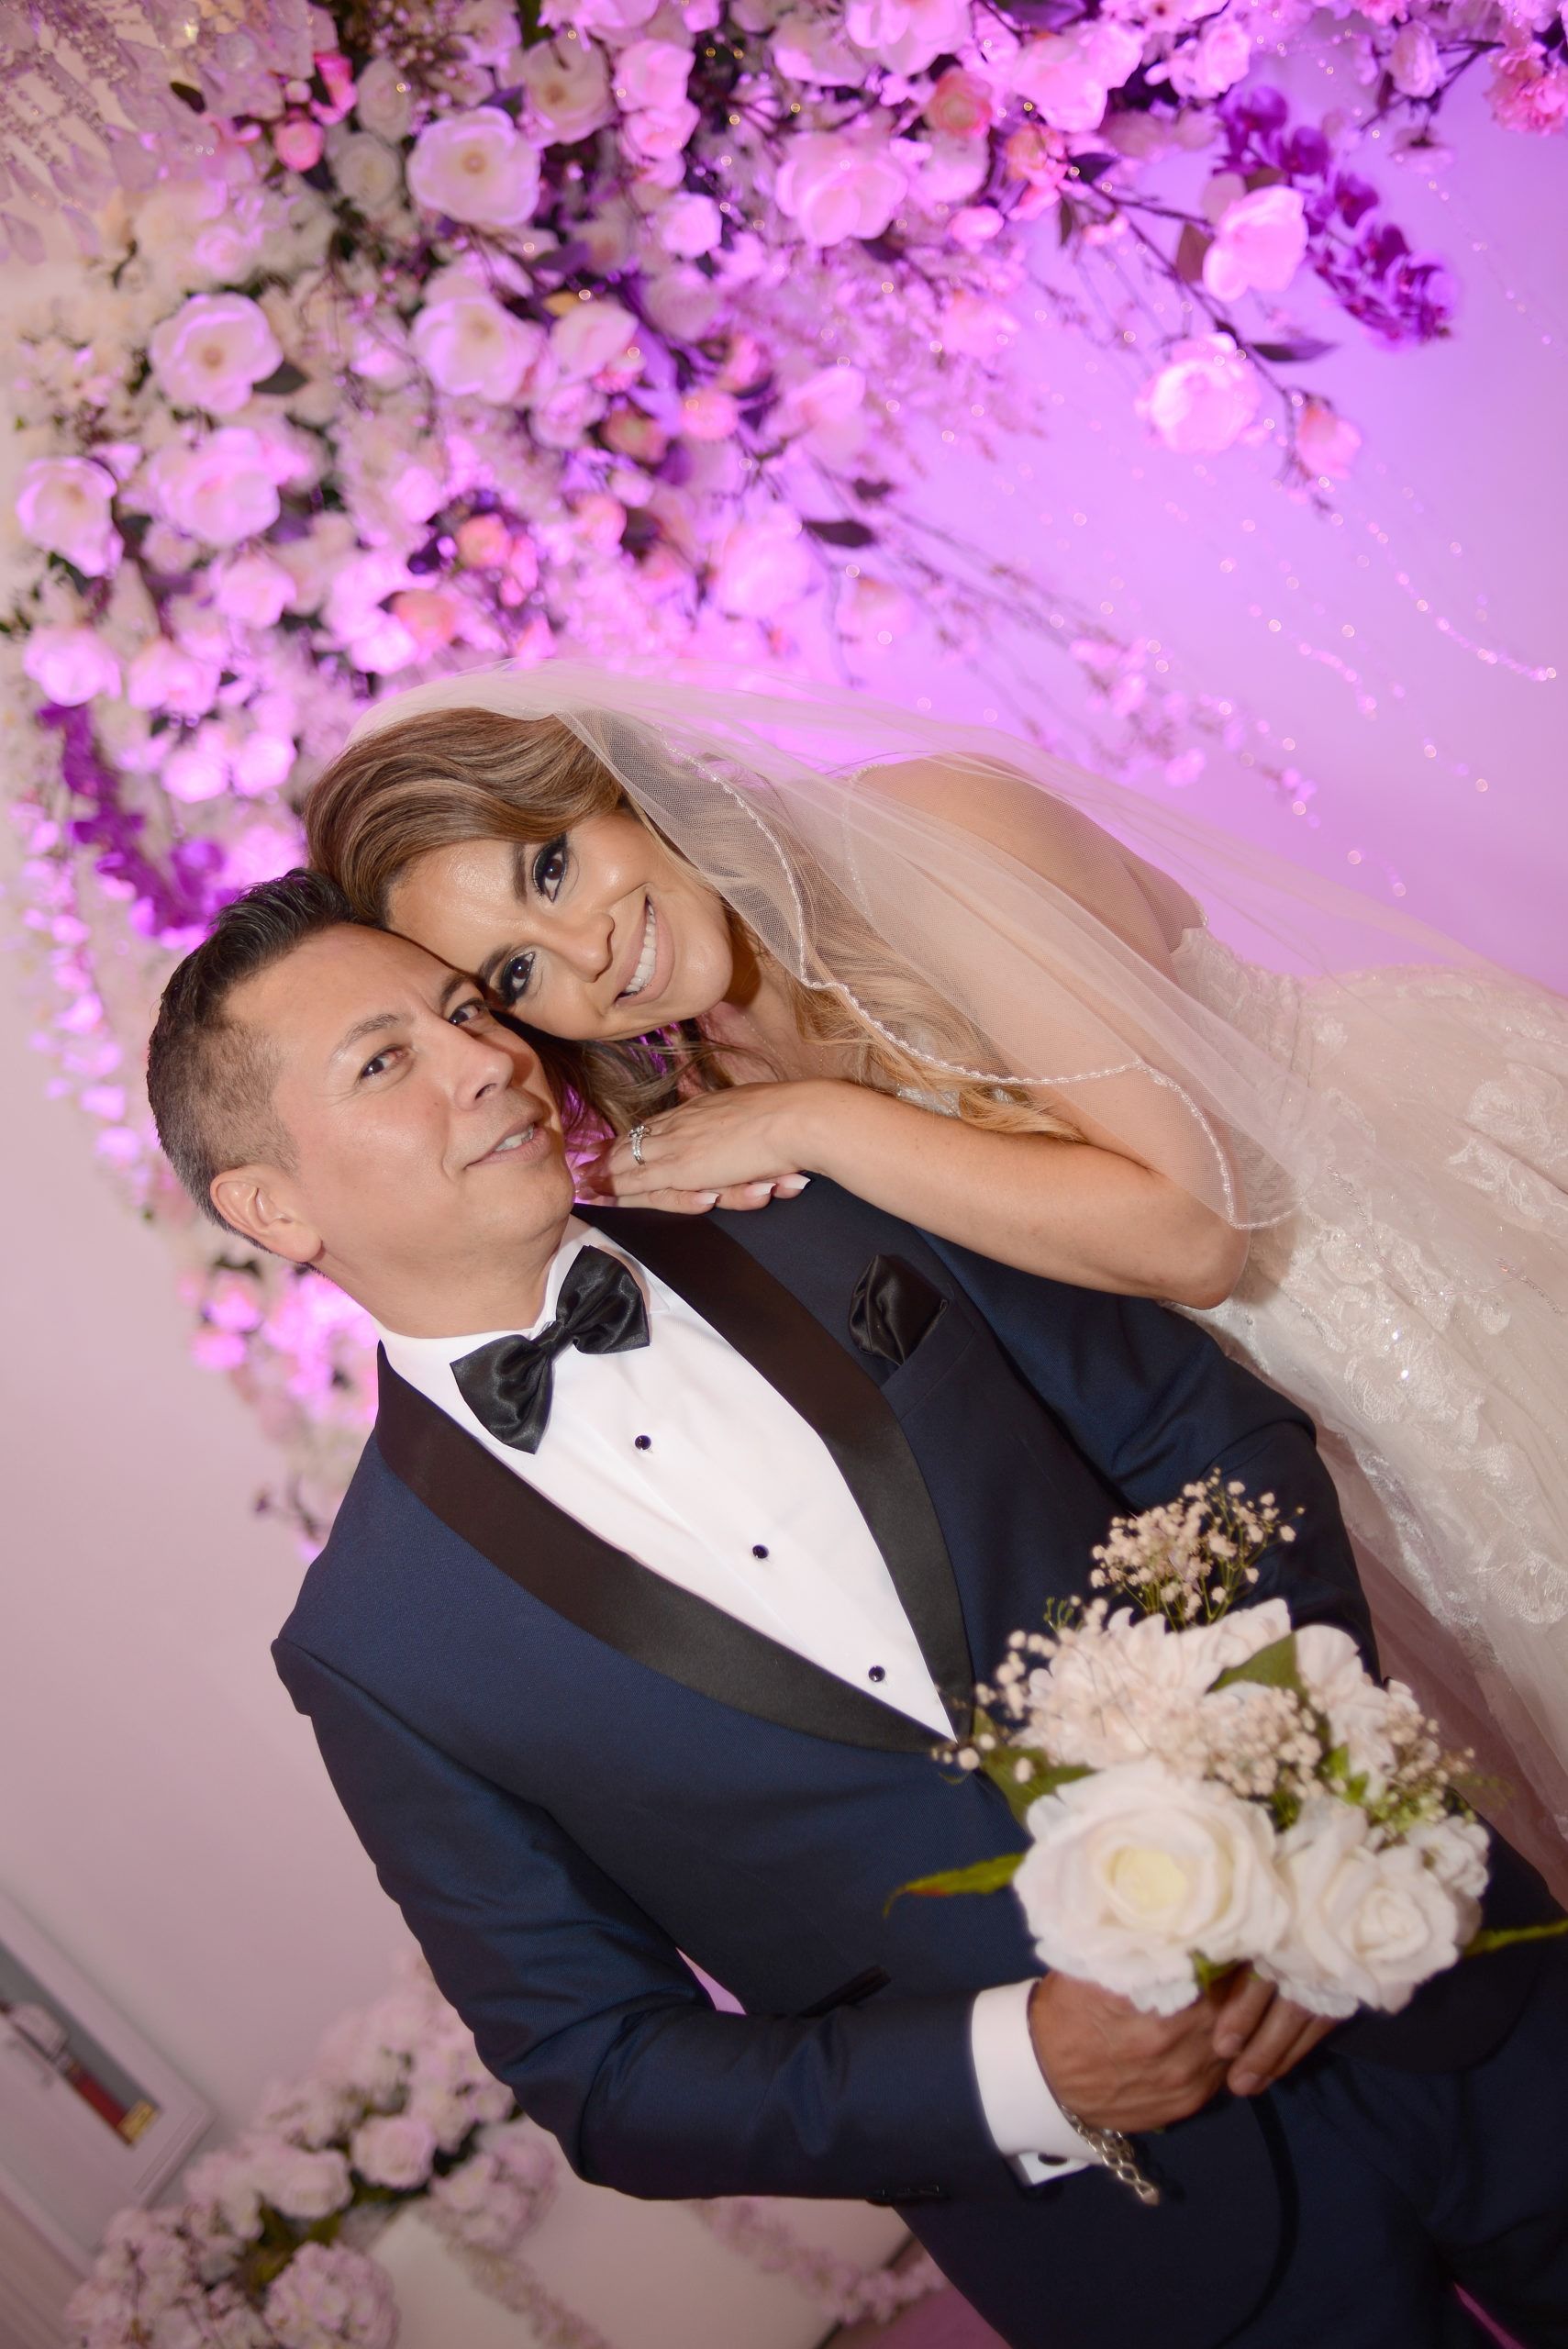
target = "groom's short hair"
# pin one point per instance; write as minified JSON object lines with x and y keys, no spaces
{"x":210,"y":1077}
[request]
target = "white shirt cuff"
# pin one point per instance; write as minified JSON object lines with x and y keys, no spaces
{"x":1022,"y":2115}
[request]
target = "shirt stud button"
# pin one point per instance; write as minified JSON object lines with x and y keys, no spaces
{"x":877,"y":1672}
{"x":758,"y":1549}
{"x":643,"y":1443}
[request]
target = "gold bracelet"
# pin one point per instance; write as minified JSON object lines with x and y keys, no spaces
{"x":1114,"y":2151}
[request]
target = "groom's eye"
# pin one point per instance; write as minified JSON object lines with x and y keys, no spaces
{"x":465,"y":1013}
{"x":515,"y":977}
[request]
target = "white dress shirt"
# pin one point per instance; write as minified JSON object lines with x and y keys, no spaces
{"x":681,"y":1453}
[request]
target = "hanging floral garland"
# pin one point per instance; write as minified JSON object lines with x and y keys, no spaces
{"x":410,"y":337}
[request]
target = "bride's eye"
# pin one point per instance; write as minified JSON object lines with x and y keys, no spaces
{"x":549,"y":867}
{"x":515,"y":977}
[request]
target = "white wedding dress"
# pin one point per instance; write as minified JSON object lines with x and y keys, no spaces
{"x":1417,"y":1305}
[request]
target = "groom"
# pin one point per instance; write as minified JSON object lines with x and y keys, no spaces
{"x":676,"y":1550}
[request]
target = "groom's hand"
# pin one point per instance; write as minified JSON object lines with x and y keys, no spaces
{"x":1117,"y":2068}
{"x":1261,"y":2035}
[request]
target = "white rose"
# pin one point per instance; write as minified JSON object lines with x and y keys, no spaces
{"x":1205,"y":395}
{"x":1240,"y":1633}
{"x":253,"y":589}
{"x":813,"y":48}
{"x":568,"y":84}
{"x":166,"y":676}
{"x":1259,"y":244}
{"x":652,"y":73}
{"x":1457,"y":1851}
{"x":222,"y":2182}
{"x":1326,"y":441}
{"x":367,"y":170}
{"x":591,"y":337}
{"x":301,"y":2183}
{"x":1068,"y":77}
{"x":395,"y":2149}
{"x":953,"y":170}
{"x":689,"y":226}
{"x":683,"y":304}
{"x":614,"y":16}
{"x":838,"y":187}
{"x":312,"y":559}
{"x":825,"y":400}
{"x":762,"y":567}
{"x":1340,"y":1686}
{"x":198,"y":769}
{"x":563,"y":415}
{"x":470,"y":346}
{"x":488,"y":30}
{"x":1367,"y":1923}
{"x":221,"y":491}
{"x":906,"y":35}
{"x":1415,"y":62}
{"x":475,"y":167}
{"x":1133,"y":1872}
{"x":656,"y":135}
{"x":1212,"y":64}
{"x":384,"y":99}
{"x":262,"y":762}
{"x":331,"y":2297}
{"x":212,"y":352}
{"x":69,"y":665}
{"x":66,"y":505}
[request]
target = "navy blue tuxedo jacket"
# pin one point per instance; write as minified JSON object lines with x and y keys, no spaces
{"x":567,"y":1772}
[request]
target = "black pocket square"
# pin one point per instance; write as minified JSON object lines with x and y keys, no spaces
{"x":892,"y":1309}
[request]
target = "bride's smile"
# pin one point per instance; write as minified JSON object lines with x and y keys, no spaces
{"x":595,"y":934}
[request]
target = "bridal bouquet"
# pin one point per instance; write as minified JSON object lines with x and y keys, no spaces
{"x":1204,"y":1786}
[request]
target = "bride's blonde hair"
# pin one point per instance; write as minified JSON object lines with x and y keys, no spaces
{"x":447,"y":776}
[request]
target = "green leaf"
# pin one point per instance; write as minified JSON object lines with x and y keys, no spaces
{"x":1272,"y":1667}
{"x":1191,"y":246}
{"x":846,"y":533}
{"x":284,"y":377}
{"x":1502,"y":1936}
{"x":985,"y":1875}
{"x":1002,"y":1767}
{"x":1286,"y":354}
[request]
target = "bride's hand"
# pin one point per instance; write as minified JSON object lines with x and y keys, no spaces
{"x":735,"y":1149}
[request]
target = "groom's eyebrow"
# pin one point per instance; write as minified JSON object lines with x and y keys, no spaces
{"x":376,"y":1023}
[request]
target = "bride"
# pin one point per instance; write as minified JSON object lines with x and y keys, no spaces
{"x":789,"y":930}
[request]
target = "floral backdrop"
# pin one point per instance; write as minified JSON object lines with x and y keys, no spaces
{"x":406,"y":336}
{"x":267,"y":2243}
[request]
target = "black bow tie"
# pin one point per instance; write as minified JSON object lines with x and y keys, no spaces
{"x":508,"y":1383}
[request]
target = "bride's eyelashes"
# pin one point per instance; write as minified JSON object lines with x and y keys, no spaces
{"x":548,"y":871}
{"x":549,"y":868}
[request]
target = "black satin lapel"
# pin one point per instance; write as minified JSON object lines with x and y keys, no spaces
{"x":614,"y":1597}
{"x":782,"y":1338}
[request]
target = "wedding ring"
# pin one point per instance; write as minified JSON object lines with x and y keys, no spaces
{"x":635,"y":1138}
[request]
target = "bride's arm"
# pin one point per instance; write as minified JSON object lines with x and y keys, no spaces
{"x":1078,"y":1209}
{"x":1084,"y":1209}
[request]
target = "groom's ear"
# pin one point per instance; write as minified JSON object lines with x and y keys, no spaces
{"x":255,"y":1202}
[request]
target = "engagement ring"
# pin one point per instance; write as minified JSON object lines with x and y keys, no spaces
{"x":635,"y":1138}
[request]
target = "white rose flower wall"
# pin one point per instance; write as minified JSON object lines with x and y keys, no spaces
{"x":406,"y":340}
